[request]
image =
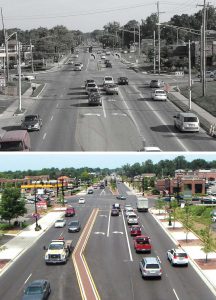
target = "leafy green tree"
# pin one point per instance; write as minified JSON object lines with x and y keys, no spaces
{"x":160,"y":205}
{"x":187,"y":219}
{"x":11,"y":205}
{"x":208,"y":240}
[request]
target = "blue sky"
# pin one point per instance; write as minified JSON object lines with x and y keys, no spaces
{"x":37,"y":161}
{"x":88,"y":15}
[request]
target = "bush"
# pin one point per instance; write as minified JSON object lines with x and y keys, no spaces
{"x":4,"y":226}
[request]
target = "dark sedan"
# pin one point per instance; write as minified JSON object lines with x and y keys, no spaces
{"x":37,"y":290}
{"x":31,"y":123}
{"x":122,"y":80}
{"x":121,"y":197}
{"x":114,"y":212}
{"x":74,"y":226}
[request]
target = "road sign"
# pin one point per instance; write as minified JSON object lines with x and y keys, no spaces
{"x":42,"y":204}
{"x":34,"y":215}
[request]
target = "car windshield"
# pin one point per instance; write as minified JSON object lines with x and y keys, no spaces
{"x":56,"y":246}
{"x":152,"y":266}
{"x":108,"y":78}
{"x":30,"y":118}
{"x":160,"y":92}
{"x":181,"y":254}
{"x":190,"y":119}
{"x":91,"y":85}
{"x":32,"y":290}
{"x":74,"y":223}
{"x":142,"y":242}
{"x":59,"y":221}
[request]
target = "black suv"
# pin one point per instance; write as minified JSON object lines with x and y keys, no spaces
{"x":122,"y":80}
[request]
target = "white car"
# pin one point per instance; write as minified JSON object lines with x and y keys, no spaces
{"x":128,"y":211}
{"x":60,"y":223}
{"x":81,"y":201}
{"x":132,"y":219}
{"x":159,"y":95}
{"x":108,"y":80}
{"x":177,"y":257}
{"x":111,"y":89}
{"x":23,"y":77}
{"x":90,"y":86}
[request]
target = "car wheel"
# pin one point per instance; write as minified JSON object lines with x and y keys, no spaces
{"x":173,"y":264}
{"x":49,"y":291}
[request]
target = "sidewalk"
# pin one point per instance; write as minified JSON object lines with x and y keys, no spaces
{"x":25,"y":239}
{"x":207,"y":271}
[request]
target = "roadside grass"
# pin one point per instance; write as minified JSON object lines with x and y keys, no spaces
{"x":208,"y":102}
{"x":201,"y":218}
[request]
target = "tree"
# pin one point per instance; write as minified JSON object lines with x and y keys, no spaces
{"x":208,"y":240}
{"x":187,"y":219}
{"x":11,"y":205}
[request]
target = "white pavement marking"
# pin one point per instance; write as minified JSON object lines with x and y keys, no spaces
{"x":104,"y":111}
{"x":44,"y":136}
{"x":103,"y":192}
{"x":27,"y":278}
{"x":103,"y":216}
{"x":119,"y":114}
{"x":108,"y":227}
{"x":129,"y":249}
{"x":131,"y":116}
{"x":118,"y":232}
{"x":99,"y":232}
{"x":91,"y":114}
{"x":87,"y":65}
{"x":162,"y":121}
{"x":175,"y":294}
{"x":51,"y":118}
{"x":57,"y":105}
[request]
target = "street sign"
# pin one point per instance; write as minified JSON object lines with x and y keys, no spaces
{"x":42,"y":204}
{"x":34,"y":215}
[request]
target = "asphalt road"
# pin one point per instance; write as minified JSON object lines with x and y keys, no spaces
{"x":111,"y":259}
{"x":123,"y":123}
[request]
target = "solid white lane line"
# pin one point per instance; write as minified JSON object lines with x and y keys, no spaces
{"x":28,"y":278}
{"x":129,"y":249}
{"x":108,"y":227}
{"x":104,"y":111}
{"x":44,"y":136}
{"x":175,"y":294}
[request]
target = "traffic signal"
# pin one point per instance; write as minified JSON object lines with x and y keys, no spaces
{"x":72,"y":49}
{"x":90,"y":49}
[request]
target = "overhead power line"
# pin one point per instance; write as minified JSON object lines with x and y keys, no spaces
{"x":78,"y":13}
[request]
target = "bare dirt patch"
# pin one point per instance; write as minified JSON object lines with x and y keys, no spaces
{"x":176,"y":229}
{"x":192,"y":242}
{"x":209,"y":265}
{"x":3,"y":262}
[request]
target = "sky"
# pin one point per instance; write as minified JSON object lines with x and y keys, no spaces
{"x":88,"y":15}
{"x":38,"y":161}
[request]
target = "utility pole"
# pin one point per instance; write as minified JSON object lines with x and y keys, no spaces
{"x":139,"y":40}
{"x":19,"y":73}
{"x":158,"y":13}
{"x":6,"y":49}
{"x":159,"y":42}
{"x":203,"y":49}
{"x":32,"y":61}
{"x":154,"y":49}
{"x":189,"y":77}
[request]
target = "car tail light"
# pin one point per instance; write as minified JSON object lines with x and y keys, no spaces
{"x":174,"y":256}
{"x":186,"y":256}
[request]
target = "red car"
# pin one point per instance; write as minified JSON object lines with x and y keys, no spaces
{"x":135,"y":230}
{"x":142,"y":243}
{"x":70,"y":212}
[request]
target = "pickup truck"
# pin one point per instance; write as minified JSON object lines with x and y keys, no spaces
{"x":58,"y":251}
{"x":142,"y":243}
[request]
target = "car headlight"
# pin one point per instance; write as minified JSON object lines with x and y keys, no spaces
{"x":46,"y":256}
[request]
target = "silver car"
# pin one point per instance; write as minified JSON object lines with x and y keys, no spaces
{"x":150,"y":267}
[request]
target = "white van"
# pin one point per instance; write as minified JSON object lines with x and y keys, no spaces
{"x":187,"y":121}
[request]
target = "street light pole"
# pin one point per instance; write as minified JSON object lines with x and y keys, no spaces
{"x":189,"y":77}
{"x":170,"y":221}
